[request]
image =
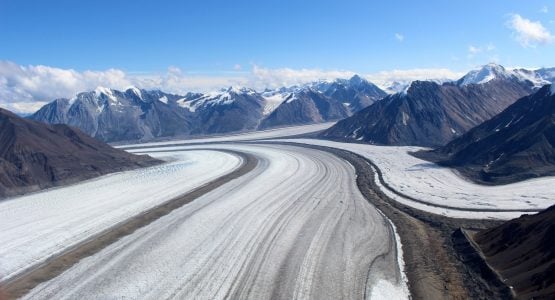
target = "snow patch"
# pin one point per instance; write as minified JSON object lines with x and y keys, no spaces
{"x":272,"y":102}
{"x":405,"y":118}
{"x":99,"y":91}
{"x":163,"y":99}
{"x":136,"y":91}
{"x":291,"y":98}
{"x":384,"y":289}
{"x":186,"y":104}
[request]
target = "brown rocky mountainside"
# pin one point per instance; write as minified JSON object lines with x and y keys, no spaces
{"x":429,"y":114}
{"x":517,"y":144}
{"x":34,"y":156}
{"x":523,"y":252}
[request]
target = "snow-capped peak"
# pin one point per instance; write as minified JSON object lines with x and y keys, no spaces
{"x":532,"y":76}
{"x":238,"y":90}
{"x":406,"y":88}
{"x":486,"y":73}
{"x":100,"y":90}
{"x":136,"y":91}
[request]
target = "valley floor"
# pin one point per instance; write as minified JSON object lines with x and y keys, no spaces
{"x":310,"y":220}
{"x":295,"y":227}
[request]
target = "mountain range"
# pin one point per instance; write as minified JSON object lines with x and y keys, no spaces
{"x":517,"y":144}
{"x":35,"y":155}
{"x":135,"y":114}
{"x":431,"y":114}
{"x":423,"y":113}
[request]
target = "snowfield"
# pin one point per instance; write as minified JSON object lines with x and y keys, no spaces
{"x":39,"y":225}
{"x":445,"y":191}
{"x":294,"y":227}
{"x":249,"y":136}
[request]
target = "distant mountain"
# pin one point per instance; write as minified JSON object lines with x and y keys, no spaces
{"x":491,"y":72}
{"x":229,"y":110}
{"x":432,"y":114}
{"x":36,"y":155}
{"x":319,"y":102}
{"x":522,"y":251}
{"x":305,"y":106}
{"x":111,"y":115}
{"x":356,"y":93}
{"x":517,"y":144}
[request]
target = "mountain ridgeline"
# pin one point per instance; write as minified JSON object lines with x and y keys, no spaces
{"x":430,"y":114}
{"x":111,"y":115}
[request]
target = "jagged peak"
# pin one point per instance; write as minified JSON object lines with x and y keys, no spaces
{"x":486,"y":74}
{"x":356,"y":79}
{"x":103,"y":90}
{"x":135,"y":90}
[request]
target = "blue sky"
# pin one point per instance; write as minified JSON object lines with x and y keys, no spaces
{"x":199,"y":45}
{"x":214,"y":36}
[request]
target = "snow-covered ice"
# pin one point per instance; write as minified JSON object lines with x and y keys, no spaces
{"x":249,"y":136}
{"x":442,"y":186}
{"x":37,"y":226}
{"x":295,"y":227}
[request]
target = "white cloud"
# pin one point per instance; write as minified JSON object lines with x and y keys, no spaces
{"x":24,"y":89}
{"x":399,"y":37}
{"x":474,"y":50}
{"x":237,"y":67}
{"x":529,"y":33}
{"x":544,"y":10}
{"x":273,"y":78}
{"x":384,"y":78}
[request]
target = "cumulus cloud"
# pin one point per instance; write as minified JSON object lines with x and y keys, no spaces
{"x":21,"y":87}
{"x":399,"y":37}
{"x":384,"y":78}
{"x":529,"y":33}
{"x":274,"y":78}
{"x":24,"y":89}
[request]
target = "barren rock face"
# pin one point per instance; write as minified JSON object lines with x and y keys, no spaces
{"x":429,"y":114}
{"x":523,"y":252}
{"x":517,"y":144}
{"x":36,"y":155}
